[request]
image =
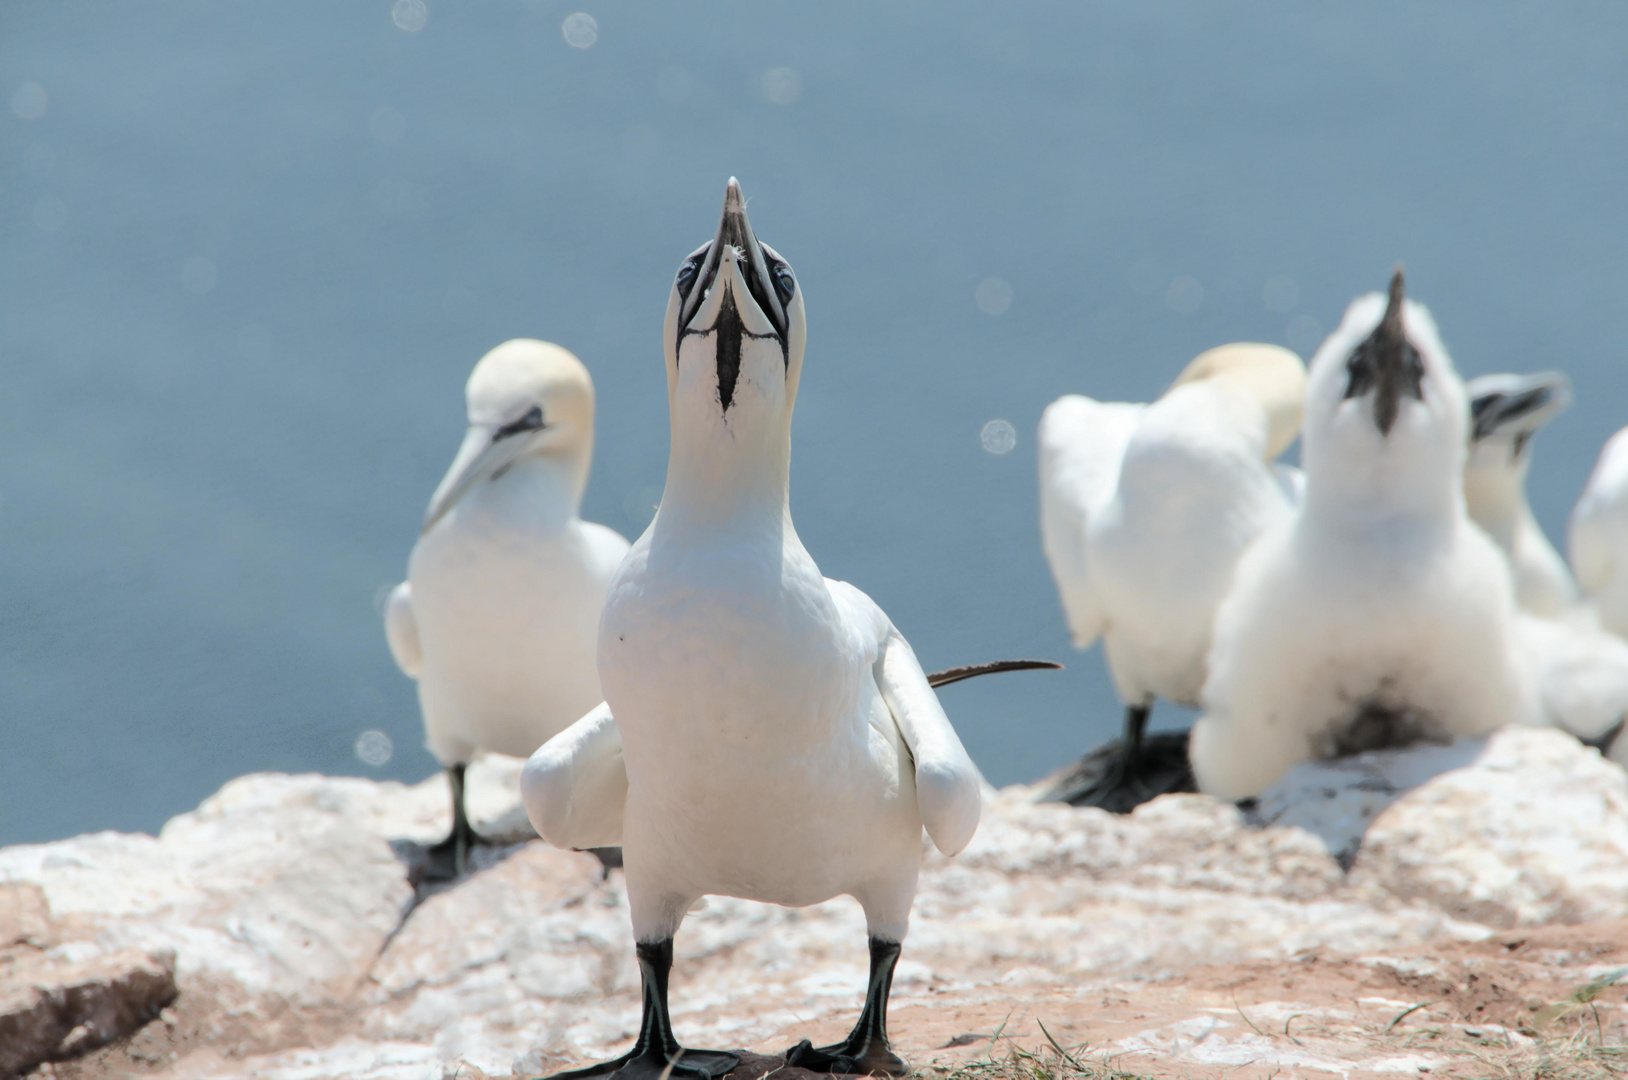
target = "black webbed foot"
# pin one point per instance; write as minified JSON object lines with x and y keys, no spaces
{"x":656,"y":1055}
{"x":652,"y":1064}
{"x":865,"y":1052}
{"x":1121,"y":775}
{"x":449,"y":859}
{"x":1105,"y":778}
{"x":845,"y":1059}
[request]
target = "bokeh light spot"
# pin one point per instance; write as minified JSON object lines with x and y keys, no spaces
{"x":28,"y":101}
{"x":374,"y":748}
{"x":782,"y":86}
{"x":1185,"y":295}
{"x":580,"y":30}
{"x":410,"y":15}
{"x":998,"y":437}
{"x":993,"y":296}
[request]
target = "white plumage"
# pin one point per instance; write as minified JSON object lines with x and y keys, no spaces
{"x":1145,"y":508}
{"x":1506,"y":412}
{"x":779,"y":738}
{"x":1579,"y":672}
{"x":1377,"y":613}
{"x":499,"y":614}
{"x":1598,"y":538}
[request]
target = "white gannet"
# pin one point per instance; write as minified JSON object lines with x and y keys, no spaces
{"x":499,"y":615}
{"x":1506,"y":411}
{"x":1376,"y":614}
{"x":1598,"y":539}
{"x":767,"y":733}
{"x":1144,"y":510}
{"x":1580,"y":672}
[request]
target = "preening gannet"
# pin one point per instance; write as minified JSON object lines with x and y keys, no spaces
{"x":767,"y":733}
{"x":1376,"y":614}
{"x":1143,"y":511}
{"x":1506,"y":411}
{"x":499,"y":615}
{"x":1598,"y":538}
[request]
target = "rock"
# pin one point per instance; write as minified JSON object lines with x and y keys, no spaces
{"x":25,"y":917}
{"x":302,"y":950}
{"x":1534,"y":830}
{"x":60,"y":1003}
{"x":1337,"y":800}
{"x":274,"y":897}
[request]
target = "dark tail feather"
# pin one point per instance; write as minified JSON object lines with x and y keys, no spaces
{"x":972,"y":671}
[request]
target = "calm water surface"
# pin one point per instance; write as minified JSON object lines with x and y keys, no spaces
{"x":248,"y":253}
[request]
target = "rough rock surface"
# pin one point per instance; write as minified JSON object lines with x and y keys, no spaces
{"x":303,"y":951}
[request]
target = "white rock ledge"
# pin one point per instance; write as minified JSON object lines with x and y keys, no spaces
{"x":300,"y":952}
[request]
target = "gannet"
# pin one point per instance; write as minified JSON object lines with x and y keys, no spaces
{"x":499,"y":615}
{"x":1376,"y":614}
{"x":1580,"y":673}
{"x":1506,"y":411}
{"x":767,"y":733}
{"x":1143,"y":511}
{"x":1598,"y":539}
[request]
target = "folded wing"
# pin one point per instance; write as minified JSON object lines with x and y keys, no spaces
{"x":1082,"y":444}
{"x":948,"y":784}
{"x":401,"y":630}
{"x":575,"y":785}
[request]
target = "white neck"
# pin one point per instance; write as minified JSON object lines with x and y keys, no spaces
{"x":734,"y":473}
{"x":540,"y":491}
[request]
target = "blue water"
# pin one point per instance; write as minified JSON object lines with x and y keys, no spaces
{"x":248,"y":253}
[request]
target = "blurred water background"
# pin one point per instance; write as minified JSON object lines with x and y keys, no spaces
{"x":249,"y":252}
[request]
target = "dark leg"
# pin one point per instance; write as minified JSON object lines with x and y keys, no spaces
{"x":1123,"y":774}
{"x":657,"y":1055}
{"x":450,"y":858}
{"x":1130,"y":754}
{"x":866,"y":1048}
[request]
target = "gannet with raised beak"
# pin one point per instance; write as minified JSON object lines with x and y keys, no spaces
{"x":1377,"y":614}
{"x":1143,"y":511}
{"x":1598,"y":538}
{"x":1506,"y":411}
{"x":766,"y":733}
{"x":499,"y":615}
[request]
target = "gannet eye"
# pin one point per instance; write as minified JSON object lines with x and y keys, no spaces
{"x":784,"y":283}
{"x":686,"y":273}
{"x":531,"y":421}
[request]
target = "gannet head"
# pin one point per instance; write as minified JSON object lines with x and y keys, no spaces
{"x":526,"y":398}
{"x":1271,"y":374}
{"x":734,"y":331}
{"x":1385,"y":409}
{"x":1505,"y":412}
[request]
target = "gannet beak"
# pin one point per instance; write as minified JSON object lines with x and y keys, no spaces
{"x":735,"y":245}
{"x":1516,"y":406}
{"x":1387,"y":363}
{"x":486,"y":453}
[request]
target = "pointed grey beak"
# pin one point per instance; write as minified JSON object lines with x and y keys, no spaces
{"x":1387,"y":363}
{"x":486,"y":454}
{"x":734,"y":230}
{"x":1516,"y":406}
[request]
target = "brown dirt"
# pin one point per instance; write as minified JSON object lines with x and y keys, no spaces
{"x":1504,"y":1007}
